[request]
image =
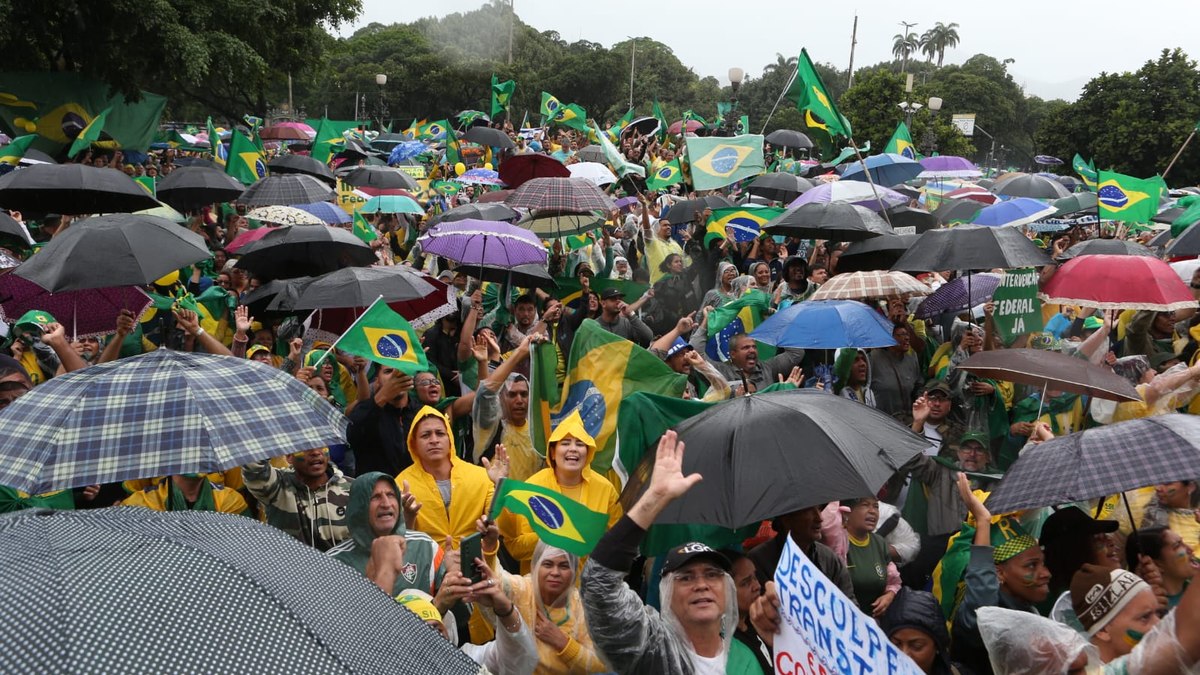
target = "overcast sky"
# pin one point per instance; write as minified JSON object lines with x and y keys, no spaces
{"x":1057,"y":45}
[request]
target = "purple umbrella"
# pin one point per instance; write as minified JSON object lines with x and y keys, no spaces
{"x":959,"y":294}
{"x":87,"y":312}
{"x":626,"y":203}
{"x":484,"y":242}
{"x":853,"y":192}
{"x":949,"y":166}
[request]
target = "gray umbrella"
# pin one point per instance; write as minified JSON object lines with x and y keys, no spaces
{"x":382,"y":177}
{"x":957,"y":211}
{"x":591,"y":153}
{"x":286,"y":190}
{"x":1186,"y":244}
{"x":1105,"y":247}
{"x":1080,"y":201}
{"x":780,"y":187}
{"x":476,"y":211}
{"x":834,"y":220}
{"x":1101,"y":461}
{"x":192,"y":187}
{"x":753,"y":473}
{"x":301,"y":164}
{"x":72,"y":189}
{"x":224,"y":593}
{"x":876,"y":253}
{"x":1031,"y":185}
{"x":493,"y":138}
{"x":971,"y":247}
{"x":789,"y":139}
{"x":360,"y":286}
{"x":309,"y":250}
{"x":121,"y":249}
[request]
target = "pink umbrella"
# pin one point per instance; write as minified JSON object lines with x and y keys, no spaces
{"x":298,"y":125}
{"x":692,"y":126}
{"x":247,"y":236}
{"x":974,"y":193}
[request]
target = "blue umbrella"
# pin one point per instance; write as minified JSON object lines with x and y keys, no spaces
{"x":480,"y":177}
{"x":407,"y":150}
{"x":1014,"y":212}
{"x":826,"y":324}
{"x":327,"y":212}
{"x":392,"y":204}
{"x":886,"y":169}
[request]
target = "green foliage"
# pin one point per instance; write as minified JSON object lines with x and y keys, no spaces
{"x":1132,"y":122}
{"x":873,"y":107}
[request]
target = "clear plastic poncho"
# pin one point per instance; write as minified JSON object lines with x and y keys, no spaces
{"x":729,"y":621}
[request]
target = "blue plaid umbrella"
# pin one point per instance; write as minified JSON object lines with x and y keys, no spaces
{"x":1102,"y":461}
{"x":327,"y":212}
{"x":158,"y":414}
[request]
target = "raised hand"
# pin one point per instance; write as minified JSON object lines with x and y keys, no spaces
{"x":497,"y":467}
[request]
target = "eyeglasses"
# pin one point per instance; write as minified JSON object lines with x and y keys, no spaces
{"x":425,"y":383}
{"x":936,"y":396}
{"x":710,"y":575}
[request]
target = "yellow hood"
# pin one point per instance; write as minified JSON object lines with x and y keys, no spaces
{"x":571,"y":426}
{"x":428,"y":411}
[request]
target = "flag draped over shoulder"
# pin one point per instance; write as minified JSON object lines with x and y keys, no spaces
{"x":734,"y":318}
{"x":603,"y":370}
{"x":383,"y":336}
{"x":558,"y":520}
{"x":664,"y":175}
{"x":89,"y":135}
{"x":746,"y":223}
{"x":246,"y":161}
{"x":501,"y":95}
{"x":1086,"y":171}
{"x":719,"y":161}
{"x":901,"y":142}
{"x":328,"y":136}
{"x":1128,"y":199}
{"x":623,"y":167}
{"x":811,"y":97}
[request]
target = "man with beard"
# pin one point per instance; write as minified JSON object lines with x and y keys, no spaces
{"x":744,"y":366}
{"x":308,"y":500}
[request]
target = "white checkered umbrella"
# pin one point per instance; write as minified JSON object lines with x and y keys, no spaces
{"x":157,"y":414}
{"x":872,"y":284}
{"x":219,"y":593}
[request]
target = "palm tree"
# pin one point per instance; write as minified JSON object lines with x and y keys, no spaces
{"x":928,"y":48}
{"x":782,"y":64}
{"x":903,"y":46}
{"x":943,"y":37}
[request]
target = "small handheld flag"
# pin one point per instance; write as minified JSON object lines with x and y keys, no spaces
{"x":383,"y":336}
{"x":557,"y":520}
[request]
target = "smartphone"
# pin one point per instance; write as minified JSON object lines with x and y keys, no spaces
{"x":471,"y":548}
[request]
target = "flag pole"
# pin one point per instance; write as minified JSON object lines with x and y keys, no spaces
{"x":1177,"y":154}
{"x":870,"y":181}
{"x":781,"y":95}
{"x":317,"y":363}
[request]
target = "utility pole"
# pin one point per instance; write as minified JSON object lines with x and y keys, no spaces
{"x":512,"y":17}
{"x":632,"y":59}
{"x":907,"y":26}
{"x":853,"y":43}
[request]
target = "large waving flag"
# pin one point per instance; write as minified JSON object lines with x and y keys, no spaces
{"x":328,"y":137}
{"x":664,"y":175}
{"x":559,"y":521}
{"x":246,"y":161}
{"x":1128,"y":199}
{"x":719,"y":161}
{"x":12,"y":153}
{"x":501,"y":95}
{"x":383,"y":336}
{"x":662,"y":121}
{"x":734,"y":318}
{"x":809,"y":94}
{"x":570,"y":291}
{"x":220,"y":155}
{"x":556,"y":112}
{"x":623,"y":167}
{"x":603,"y":370}
{"x":1086,"y":171}
{"x":429,"y":131}
{"x":453,"y":151}
{"x":746,"y":223}
{"x":901,"y":143}
{"x":89,"y":134}
{"x":550,"y":105}
{"x":614,"y":132}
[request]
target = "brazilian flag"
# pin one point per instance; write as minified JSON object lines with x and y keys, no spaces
{"x":245,"y":162}
{"x":901,"y":143}
{"x":745,"y":223}
{"x":1086,"y":171}
{"x":811,"y":97}
{"x":550,"y":105}
{"x":719,"y":161}
{"x":734,"y":318}
{"x":12,"y":153}
{"x":363,"y":230}
{"x":603,"y":370}
{"x":219,"y":154}
{"x":453,"y":153}
{"x":383,"y":336}
{"x":560,"y":522}
{"x":665,"y":175}
{"x":327,"y":137}
{"x":431,"y":130}
{"x":89,"y":135}
{"x":501,"y":95}
{"x":1128,"y":199}
{"x":662,"y":121}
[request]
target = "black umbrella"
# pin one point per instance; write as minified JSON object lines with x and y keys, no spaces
{"x":685,"y":211}
{"x":838,"y":221}
{"x":1080,"y":201}
{"x":1105,"y":247}
{"x":120,"y":249}
{"x":34,"y":156}
{"x":1186,"y":244}
{"x":72,"y":189}
{"x":477,"y":211}
{"x":591,"y":153}
{"x":906,"y":216}
{"x":642,"y":125}
{"x":1031,"y":185}
{"x":291,"y":252}
{"x":957,"y":211}
{"x":971,"y":247}
{"x":789,"y":139}
{"x":276,"y":295}
{"x":194,"y":187}
{"x":493,"y":138}
{"x":360,"y":286}
{"x":876,"y":253}
{"x":181,"y":162}
{"x":753,"y":473}
{"x":780,"y":187}
{"x":286,"y":190}
{"x":301,"y":164}
{"x":382,"y":177}
{"x":1161,"y":239}
{"x":228,"y":594}
{"x":521,"y":276}
{"x":11,"y":228}
{"x":1167,"y":216}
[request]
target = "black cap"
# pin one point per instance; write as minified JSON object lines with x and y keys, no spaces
{"x":938,"y":385}
{"x":1071,"y":521}
{"x":611,"y":292}
{"x":685,"y":553}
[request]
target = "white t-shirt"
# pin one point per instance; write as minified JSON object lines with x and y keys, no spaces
{"x":709,"y":666}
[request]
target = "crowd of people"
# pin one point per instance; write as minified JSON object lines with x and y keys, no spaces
{"x":1070,"y":588}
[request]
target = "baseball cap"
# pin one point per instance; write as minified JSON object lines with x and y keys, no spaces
{"x":254,"y":349}
{"x":678,"y":346}
{"x":685,"y":553}
{"x":1073,"y":521}
{"x":976,"y":436}
{"x":1092,"y":323}
{"x":33,"y":320}
{"x":938,"y":385}
{"x":609,"y":293}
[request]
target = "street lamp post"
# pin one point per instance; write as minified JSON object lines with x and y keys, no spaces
{"x":729,"y":122}
{"x":381,"y":80}
{"x":930,"y":140}
{"x":909,"y":107}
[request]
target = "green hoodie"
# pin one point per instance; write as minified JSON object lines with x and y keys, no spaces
{"x":421,"y":554}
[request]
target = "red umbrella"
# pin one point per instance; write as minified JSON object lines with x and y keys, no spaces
{"x":246,"y":236}
{"x":1118,"y":282}
{"x":516,"y":170}
{"x":692,"y":126}
{"x":494,"y":196}
{"x":973,"y":192}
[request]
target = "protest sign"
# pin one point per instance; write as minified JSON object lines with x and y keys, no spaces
{"x":1017,"y":307}
{"x":823,"y":631}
